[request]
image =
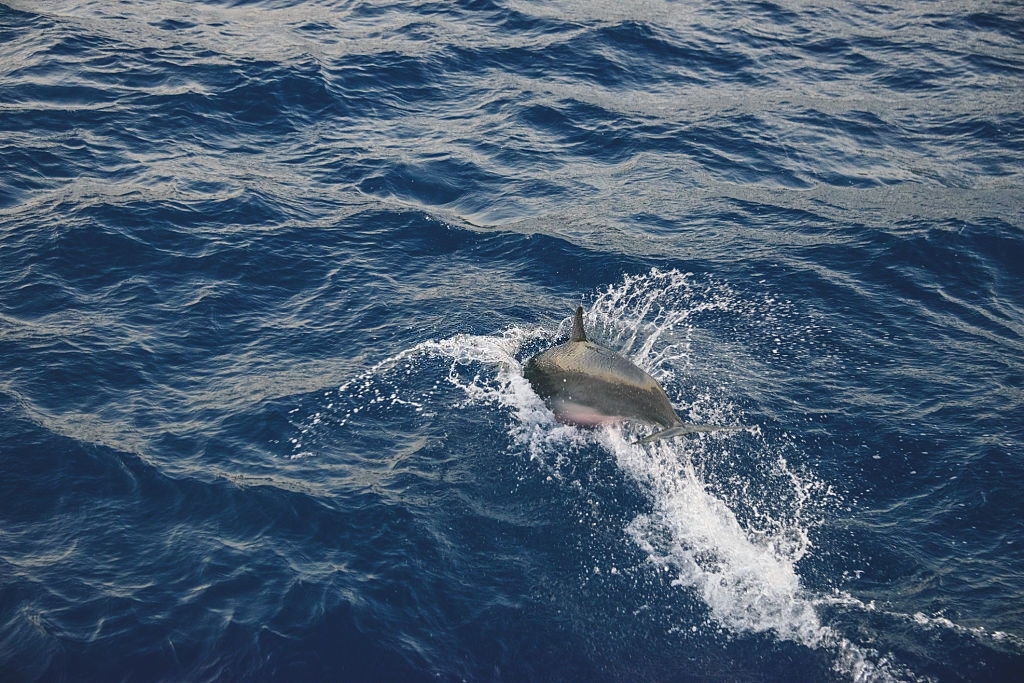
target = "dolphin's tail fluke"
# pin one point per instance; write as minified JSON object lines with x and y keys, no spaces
{"x":683,"y":429}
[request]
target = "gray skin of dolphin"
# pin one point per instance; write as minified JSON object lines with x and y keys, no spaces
{"x":586,"y":384}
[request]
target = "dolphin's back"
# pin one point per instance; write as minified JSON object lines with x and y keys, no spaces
{"x":586,"y":384}
{"x":582,"y":376}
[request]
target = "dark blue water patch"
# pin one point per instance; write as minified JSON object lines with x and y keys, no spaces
{"x":957,"y":491}
{"x":899,"y":60}
{"x":859,"y":143}
{"x":90,"y":616}
{"x":583,"y":130}
{"x":615,"y":55}
{"x":882,"y":556}
{"x":61,"y":107}
{"x":143,"y":239}
{"x":991,"y":65}
{"x":978,"y":661}
{"x":938,"y":268}
{"x":275,"y":97}
{"x":416,"y":239}
{"x":985,"y":143}
{"x":434,"y":183}
{"x":210,"y":103}
{"x":980,"y":129}
{"x":48,"y":162}
{"x":43,"y":166}
{"x":771,"y":11}
{"x":174,"y":24}
{"x":934,"y":265}
{"x":917,"y":80}
{"x":641,"y":44}
{"x":983,"y":257}
{"x":513,"y":22}
{"x":736,"y":147}
{"x":1006,"y":23}
{"x":843,"y":52}
{"x":54,"y":99}
{"x":386,"y":85}
{"x":866,"y":128}
{"x":637,"y":45}
{"x":595,"y":133}
{"x":15,"y":20}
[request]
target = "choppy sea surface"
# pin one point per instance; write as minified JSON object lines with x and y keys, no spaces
{"x":269,"y":272}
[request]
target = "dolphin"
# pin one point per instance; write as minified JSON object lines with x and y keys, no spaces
{"x":587,"y":384}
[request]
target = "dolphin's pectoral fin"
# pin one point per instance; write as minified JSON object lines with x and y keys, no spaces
{"x":682,"y":429}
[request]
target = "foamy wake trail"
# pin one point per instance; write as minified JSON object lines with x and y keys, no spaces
{"x":748,"y":586}
{"x":748,"y":581}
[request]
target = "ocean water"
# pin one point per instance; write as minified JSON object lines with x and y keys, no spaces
{"x":269,"y":272}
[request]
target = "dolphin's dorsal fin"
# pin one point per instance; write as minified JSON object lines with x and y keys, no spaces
{"x":577,"y":327}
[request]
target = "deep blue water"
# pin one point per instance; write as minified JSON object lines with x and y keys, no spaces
{"x":269,"y":272}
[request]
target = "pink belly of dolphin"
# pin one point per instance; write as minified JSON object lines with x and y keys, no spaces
{"x":581,"y":415}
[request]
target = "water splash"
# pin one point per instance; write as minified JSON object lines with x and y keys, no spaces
{"x":732,"y":535}
{"x":747,"y":580}
{"x":729,"y":516}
